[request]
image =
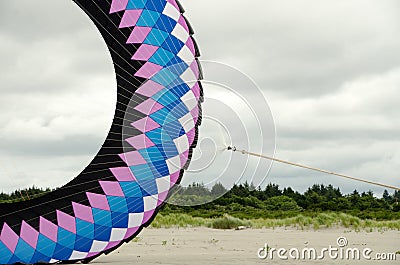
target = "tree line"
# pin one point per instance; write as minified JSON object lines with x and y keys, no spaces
{"x":23,"y":194}
{"x":272,"y":201}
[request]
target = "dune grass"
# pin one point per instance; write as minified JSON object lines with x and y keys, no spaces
{"x":185,"y":221}
{"x":228,"y":222}
{"x":178,"y":220}
{"x":320,"y":221}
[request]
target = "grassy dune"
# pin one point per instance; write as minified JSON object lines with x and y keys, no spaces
{"x":321,"y":220}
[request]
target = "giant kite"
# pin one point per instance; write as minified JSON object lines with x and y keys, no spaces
{"x":149,"y":145}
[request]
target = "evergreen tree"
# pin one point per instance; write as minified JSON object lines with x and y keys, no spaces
{"x":386,"y":196}
{"x":218,"y":190}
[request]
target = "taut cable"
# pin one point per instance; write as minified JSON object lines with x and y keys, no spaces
{"x":233,"y":149}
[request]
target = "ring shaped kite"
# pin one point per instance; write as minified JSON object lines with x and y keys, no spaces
{"x":145,"y":153}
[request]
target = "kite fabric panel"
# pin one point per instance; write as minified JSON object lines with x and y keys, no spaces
{"x":148,"y":147}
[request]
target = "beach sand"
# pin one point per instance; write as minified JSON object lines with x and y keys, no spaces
{"x":209,"y":246}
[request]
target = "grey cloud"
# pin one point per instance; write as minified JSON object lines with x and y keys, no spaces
{"x":77,"y":145}
{"x":41,"y":20}
{"x":301,"y":48}
{"x":44,"y":50}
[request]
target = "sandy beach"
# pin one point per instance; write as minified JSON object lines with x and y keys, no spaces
{"x":210,"y":246}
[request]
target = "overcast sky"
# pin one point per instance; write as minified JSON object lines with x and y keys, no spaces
{"x":330,"y":71}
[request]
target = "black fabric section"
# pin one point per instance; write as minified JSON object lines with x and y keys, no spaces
{"x":191,"y":31}
{"x":181,"y":9}
{"x":198,"y":54}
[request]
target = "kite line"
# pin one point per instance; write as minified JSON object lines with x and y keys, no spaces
{"x":244,"y":152}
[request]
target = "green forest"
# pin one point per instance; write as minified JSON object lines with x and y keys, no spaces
{"x":245,"y":201}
